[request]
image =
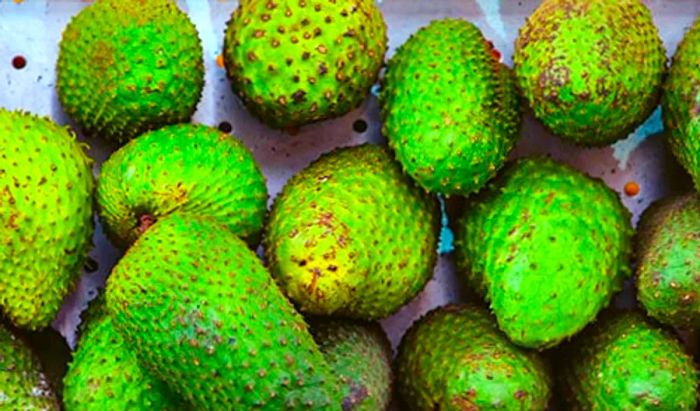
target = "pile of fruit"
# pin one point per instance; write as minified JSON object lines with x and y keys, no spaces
{"x":192,"y":318}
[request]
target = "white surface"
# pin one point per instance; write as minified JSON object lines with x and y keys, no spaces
{"x":33,"y":28}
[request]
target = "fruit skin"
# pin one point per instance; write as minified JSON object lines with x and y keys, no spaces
{"x":296,"y":62}
{"x":185,"y":167}
{"x":455,"y":358}
{"x":679,"y":102}
{"x":128,"y":66}
{"x":23,"y":385}
{"x":360,"y":355}
{"x":207,"y":318}
{"x":45,"y":216}
{"x":363,"y":238}
{"x":591,"y":69}
{"x":625,"y":362}
{"x":450,"y":109}
{"x":105,"y":373}
{"x":547,"y":246}
{"x":668,"y":261}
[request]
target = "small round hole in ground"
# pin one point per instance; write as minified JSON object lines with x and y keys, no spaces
{"x":360,"y":126}
{"x":19,"y":62}
{"x":225,"y":127}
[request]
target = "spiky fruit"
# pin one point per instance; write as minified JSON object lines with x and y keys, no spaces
{"x":188,"y":168}
{"x":362,"y":239}
{"x":680,"y":103}
{"x":45,"y":216}
{"x":624,"y":362}
{"x":105,"y":373}
{"x":450,"y":108}
{"x":455,"y":358}
{"x":128,"y":66}
{"x":208,"y":319}
{"x":591,"y":69}
{"x":548,"y":247}
{"x":668,"y":254}
{"x":295,"y":62}
{"x":23,"y":385}
{"x":360,"y":355}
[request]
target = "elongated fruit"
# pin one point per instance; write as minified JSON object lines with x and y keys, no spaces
{"x":23,"y":385}
{"x":105,"y":373}
{"x":548,"y":247}
{"x":128,"y":66}
{"x":450,"y":108}
{"x":207,"y":318}
{"x":46,"y":224}
{"x":591,"y":70}
{"x":189,"y":168}
{"x":351,"y":235}
{"x":668,"y":261}
{"x":455,"y":358}
{"x":295,"y":62}
{"x":624,"y":362}
{"x":360,"y":355}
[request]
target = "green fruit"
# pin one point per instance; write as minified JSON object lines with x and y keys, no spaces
{"x":680,"y":103}
{"x":360,"y":355}
{"x":668,"y":254}
{"x":626,"y":363}
{"x":450,"y":108}
{"x":548,"y":247}
{"x":23,"y":385}
{"x":45,"y":216}
{"x":105,"y":374}
{"x":295,"y":62}
{"x":208,"y":319}
{"x":128,"y":66}
{"x":351,"y":235}
{"x":591,"y":69}
{"x":455,"y":358}
{"x":189,"y":168}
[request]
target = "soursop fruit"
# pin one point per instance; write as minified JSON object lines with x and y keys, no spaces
{"x":185,"y":167}
{"x":46,"y":188}
{"x":547,"y":246}
{"x":680,"y":103}
{"x":351,"y":235}
{"x":624,"y":362}
{"x":105,"y":373}
{"x":455,"y":358}
{"x":128,"y":66}
{"x":23,"y":385}
{"x":450,"y":108}
{"x":592,"y":70}
{"x":668,"y":261}
{"x":295,"y":62}
{"x":360,"y":355}
{"x":208,"y":319}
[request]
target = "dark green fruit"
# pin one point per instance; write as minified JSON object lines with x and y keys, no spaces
{"x":548,"y":247}
{"x":23,"y":385}
{"x":455,"y":358}
{"x":203,"y":314}
{"x":105,"y":373}
{"x":450,"y":108}
{"x":128,"y":66}
{"x":624,"y":362}
{"x":188,"y":168}
{"x":680,"y":103}
{"x":591,"y":69}
{"x":668,"y":253}
{"x":360,"y":355}
{"x":45,"y":216}
{"x":295,"y":62}
{"x":351,"y":235}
